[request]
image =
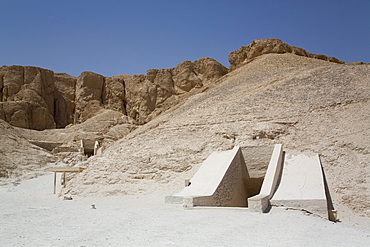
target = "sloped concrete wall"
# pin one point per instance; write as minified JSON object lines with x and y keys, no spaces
{"x":302,"y":184}
{"x":231,"y":191}
{"x":260,"y":202}
{"x":218,"y":182}
{"x":257,"y":159}
{"x":224,"y":180}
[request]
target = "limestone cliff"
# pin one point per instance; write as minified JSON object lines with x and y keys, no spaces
{"x":27,"y":97}
{"x":37,"y":98}
{"x":64,"y":99}
{"x":144,"y":94}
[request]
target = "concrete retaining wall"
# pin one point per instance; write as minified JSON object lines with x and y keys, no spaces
{"x":302,"y":184}
{"x":295,"y":181}
{"x":260,"y":202}
{"x":218,"y":182}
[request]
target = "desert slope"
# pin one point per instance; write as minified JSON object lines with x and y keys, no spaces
{"x":18,"y":157}
{"x":303,"y":103}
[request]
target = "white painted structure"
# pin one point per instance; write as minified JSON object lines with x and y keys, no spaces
{"x":218,"y":182}
{"x":260,"y":202}
{"x":291,"y":180}
{"x":302,"y":184}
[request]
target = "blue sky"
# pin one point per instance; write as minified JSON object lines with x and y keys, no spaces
{"x":114,"y":37}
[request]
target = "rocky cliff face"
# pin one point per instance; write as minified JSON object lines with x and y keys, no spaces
{"x":140,"y":95}
{"x":145,"y":93}
{"x":259,"y":47}
{"x":27,"y":97}
{"x":285,"y":97}
{"x":88,"y":98}
{"x":38,"y":99}
{"x":95,"y":92}
{"x":64,"y":99}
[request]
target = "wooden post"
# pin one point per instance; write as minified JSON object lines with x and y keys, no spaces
{"x":64,"y":179}
{"x":64,"y":170}
{"x":55,"y":182}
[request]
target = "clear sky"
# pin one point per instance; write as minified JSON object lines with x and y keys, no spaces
{"x":112,"y":37}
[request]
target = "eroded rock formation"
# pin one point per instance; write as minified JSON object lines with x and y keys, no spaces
{"x":38,"y":99}
{"x":27,"y":97}
{"x":259,"y":47}
{"x":145,"y":93}
{"x":89,"y":92}
{"x":64,"y":99}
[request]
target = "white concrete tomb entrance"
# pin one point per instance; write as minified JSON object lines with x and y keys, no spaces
{"x":258,"y":178}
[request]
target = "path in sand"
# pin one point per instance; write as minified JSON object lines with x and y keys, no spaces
{"x":31,"y":215}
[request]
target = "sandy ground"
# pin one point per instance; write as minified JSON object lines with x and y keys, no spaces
{"x":31,"y":215}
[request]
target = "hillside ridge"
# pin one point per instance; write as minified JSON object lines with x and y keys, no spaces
{"x":36,"y":98}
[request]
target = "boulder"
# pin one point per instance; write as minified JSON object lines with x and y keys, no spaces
{"x":209,"y":70}
{"x":184,"y":76}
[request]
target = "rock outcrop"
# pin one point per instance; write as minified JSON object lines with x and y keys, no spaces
{"x":64,"y":99}
{"x":259,"y":47}
{"x":38,"y":99}
{"x":27,"y":97}
{"x":89,"y":95}
{"x":145,"y":93}
{"x":114,"y":93}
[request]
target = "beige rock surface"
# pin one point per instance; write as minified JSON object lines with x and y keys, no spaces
{"x":27,"y":98}
{"x":19,"y":159}
{"x":148,"y":95}
{"x":89,"y":92}
{"x":36,"y":98}
{"x":114,"y":94}
{"x":64,"y":99}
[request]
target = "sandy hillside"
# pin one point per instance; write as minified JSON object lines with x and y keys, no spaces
{"x":19,"y":159}
{"x":303,"y":103}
